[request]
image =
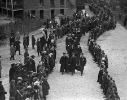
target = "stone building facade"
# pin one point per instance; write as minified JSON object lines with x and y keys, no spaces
{"x":44,"y":9}
{"x":48,"y":9}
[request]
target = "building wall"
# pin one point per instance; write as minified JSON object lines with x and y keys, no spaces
{"x":34,"y":5}
{"x":81,"y":2}
{"x":70,"y":9}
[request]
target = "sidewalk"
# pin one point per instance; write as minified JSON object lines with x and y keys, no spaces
{"x":6,"y":63}
{"x":76,"y":87}
{"x":114,"y":44}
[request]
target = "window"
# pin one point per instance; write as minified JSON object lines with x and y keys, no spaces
{"x":41,"y":2}
{"x":52,"y":3}
{"x":61,"y":2}
{"x":62,"y":11}
{"x":42,"y":14}
{"x":52,"y":14}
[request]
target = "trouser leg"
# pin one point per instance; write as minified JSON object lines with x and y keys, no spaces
{"x":13,"y":57}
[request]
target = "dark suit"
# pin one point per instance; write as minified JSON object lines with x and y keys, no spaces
{"x":63,"y":62}
{"x":100,"y":76}
{"x":82,"y":62}
{"x":73,"y":63}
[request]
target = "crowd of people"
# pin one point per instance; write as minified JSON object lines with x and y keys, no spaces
{"x":28,"y":81}
{"x":74,"y":58}
{"x":107,"y":23}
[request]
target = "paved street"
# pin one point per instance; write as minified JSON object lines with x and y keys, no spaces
{"x":76,"y":87}
{"x":114,"y":43}
{"x":63,"y":87}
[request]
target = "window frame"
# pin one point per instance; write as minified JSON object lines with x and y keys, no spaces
{"x":51,"y":13}
{"x":42,"y":14}
{"x":62,"y":3}
{"x":63,"y":11}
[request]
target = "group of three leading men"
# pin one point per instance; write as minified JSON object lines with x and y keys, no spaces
{"x":70,"y":64}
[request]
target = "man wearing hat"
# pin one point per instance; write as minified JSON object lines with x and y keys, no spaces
{"x":12,"y":72}
{"x":82,"y":62}
{"x":63,"y":62}
{"x":73,"y":63}
{"x":2,"y":92}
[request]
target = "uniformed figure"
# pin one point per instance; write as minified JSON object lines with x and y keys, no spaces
{"x":82,"y":62}
{"x":73,"y":62}
{"x":67,"y":68}
{"x":63,"y":62}
{"x":33,"y":41}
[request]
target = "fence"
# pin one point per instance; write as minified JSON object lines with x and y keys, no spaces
{"x":24,"y":27}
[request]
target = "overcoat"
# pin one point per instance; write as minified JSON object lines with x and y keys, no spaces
{"x":33,"y":66}
{"x":100,"y":76}
{"x":33,"y":40}
{"x":11,"y":72}
{"x":73,"y":62}
{"x":63,"y":62}
{"x":17,"y":45}
{"x":46,"y":87}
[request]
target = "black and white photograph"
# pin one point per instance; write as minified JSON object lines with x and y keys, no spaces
{"x":63,"y":50}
